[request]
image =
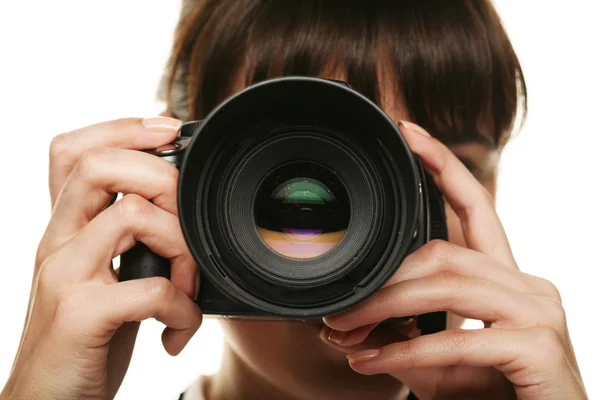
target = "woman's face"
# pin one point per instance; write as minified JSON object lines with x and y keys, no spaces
{"x":292,"y":355}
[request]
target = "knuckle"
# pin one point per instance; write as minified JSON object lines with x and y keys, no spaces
{"x":546,"y":348}
{"x":547,"y":339}
{"x":482,"y":202}
{"x":458,"y":338}
{"x":132,"y":206}
{"x":551,"y":289}
{"x":160,"y":289}
{"x":467,"y":211}
{"x":558,"y":316}
{"x":459,"y":342}
{"x":59,"y":145}
{"x":440,"y":163}
{"x":91,"y":162}
{"x":438,"y":250}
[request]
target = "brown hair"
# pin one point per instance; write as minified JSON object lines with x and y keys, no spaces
{"x":450,"y":62}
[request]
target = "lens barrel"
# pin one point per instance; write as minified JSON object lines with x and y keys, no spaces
{"x":299,"y":197}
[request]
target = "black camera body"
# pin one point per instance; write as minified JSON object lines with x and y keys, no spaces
{"x":298,"y":197}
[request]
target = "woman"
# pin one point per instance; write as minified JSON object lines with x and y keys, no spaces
{"x":446,"y":66}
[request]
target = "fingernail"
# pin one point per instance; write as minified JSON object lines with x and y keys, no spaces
{"x":362,"y":355}
{"x":337,"y":336}
{"x":415,"y":128}
{"x":162,"y":123}
{"x":197,"y":286}
{"x":325,"y":332}
{"x":408,"y":329}
{"x":411,"y":332}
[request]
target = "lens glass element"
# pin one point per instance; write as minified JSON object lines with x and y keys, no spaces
{"x":302,"y":210}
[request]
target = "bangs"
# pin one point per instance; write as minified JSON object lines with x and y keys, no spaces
{"x":450,"y":63}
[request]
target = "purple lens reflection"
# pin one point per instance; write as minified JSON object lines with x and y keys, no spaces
{"x":302,"y":234}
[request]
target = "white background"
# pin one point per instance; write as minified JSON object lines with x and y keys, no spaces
{"x":66,"y":64}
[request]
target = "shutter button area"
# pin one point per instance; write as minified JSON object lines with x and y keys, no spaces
{"x":167,"y":149}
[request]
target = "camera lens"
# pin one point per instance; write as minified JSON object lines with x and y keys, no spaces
{"x":299,"y":197}
{"x":302,"y":210}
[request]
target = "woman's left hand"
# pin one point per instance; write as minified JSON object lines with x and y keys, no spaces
{"x":523,"y":352}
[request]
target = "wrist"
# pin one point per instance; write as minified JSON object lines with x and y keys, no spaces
{"x":7,"y":390}
{"x":27,"y":386}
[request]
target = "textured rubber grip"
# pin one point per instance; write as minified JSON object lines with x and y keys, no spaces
{"x":140,"y":262}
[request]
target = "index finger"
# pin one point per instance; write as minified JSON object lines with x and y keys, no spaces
{"x":472,"y":203}
{"x":126,"y":133}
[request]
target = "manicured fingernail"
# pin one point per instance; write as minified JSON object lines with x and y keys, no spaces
{"x":197,"y":286}
{"x":162,"y":123}
{"x":362,"y":355}
{"x":325,"y":330}
{"x":337,"y":336}
{"x":415,"y":128}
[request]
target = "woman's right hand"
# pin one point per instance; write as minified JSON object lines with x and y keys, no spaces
{"x":81,"y":322}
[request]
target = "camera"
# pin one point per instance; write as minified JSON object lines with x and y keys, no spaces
{"x":298,"y":197}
